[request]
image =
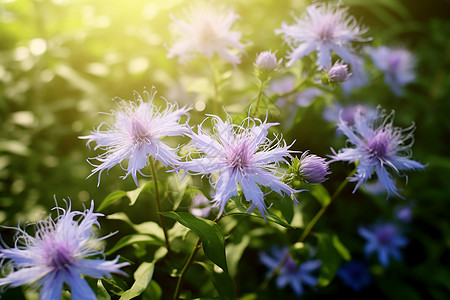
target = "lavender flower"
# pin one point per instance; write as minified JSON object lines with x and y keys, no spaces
{"x":359,"y":75}
{"x":267,"y":61}
{"x":324,"y":27}
{"x":385,"y":240}
{"x":207,"y":31}
{"x":291,"y":273}
{"x":404,"y":213}
{"x":313,"y":169}
{"x":58,"y":254}
{"x":378,"y":146}
{"x":136,"y":135}
{"x":397,"y":64}
{"x":240,"y":154}
{"x":355,"y":274}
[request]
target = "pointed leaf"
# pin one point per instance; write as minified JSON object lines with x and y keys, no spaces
{"x":143,"y":275}
{"x":209,"y":233}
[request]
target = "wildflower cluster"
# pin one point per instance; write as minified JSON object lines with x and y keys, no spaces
{"x":224,"y":175}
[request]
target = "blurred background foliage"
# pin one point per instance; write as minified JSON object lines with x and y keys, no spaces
{"x":62,"y":61}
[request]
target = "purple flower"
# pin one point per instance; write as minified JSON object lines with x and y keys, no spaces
{"x":313,"y":169}
{"x":291,"y":272}
{"x":58,"y":254}
{"x":397,"y":64}
{"x":359,"y":75}
{"x":207,"y":31}
{"x":404,"y":213}
{"x":385,"y":240}
{"x":240,"y":154}
{"x":136,"y":135}
{"x":355,"y":274}
{"x":379,"y":147}
{"x":325,"y":28}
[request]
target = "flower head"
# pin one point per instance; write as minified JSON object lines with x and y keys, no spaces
{"x":338,"y":72}
{"x":385,"y":240}
{"x":207,"y":31}
{"x":325,"y":28}
{"x":313,"y":169}
{"x":58,"y":254}
{"x":354,"y":274}
{"x":397,"y":64}
{"x":267,"y":61}
{"x":379,"y":147}
{"x":347,"y":113}
{"x":136,"y":135}
{"x":240,"y":154}
{"x":291,"y":272}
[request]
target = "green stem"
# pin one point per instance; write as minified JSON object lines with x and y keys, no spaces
{"x":158,"y":205}
{"x":306,"y":232}
{"x":185,"y":268}
{"x":258,"y":97}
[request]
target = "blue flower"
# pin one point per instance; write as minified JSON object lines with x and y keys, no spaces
{"x":291,"y":273}
{"x":313,"y":168}
{"x":355,"y":274}
{"x":385,"y":240}
{"x":136,"y":135}
{"x":57,"y":254}
{"x":240,"y":154}
{"x":379,"y":147}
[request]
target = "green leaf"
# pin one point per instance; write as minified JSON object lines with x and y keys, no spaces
{"x":321,"y":194}
{"x":221,"y":281}
{"x":153,"y":292}
{"x":330,"y":257}
{"x":117,"y":195}
{"x":150,"y":227}
{"x":142,"y":276}
{"x":343,"y":251}
{"x":209,"y":233}
{"x":135,"y":238}
{"x":235,"y":252}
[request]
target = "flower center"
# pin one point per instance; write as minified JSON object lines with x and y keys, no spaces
{"x":239,"y":158}
{"x":60,"y":256}
{"x":290,"y":266}
{"x":207,"y":34}
{"x":326,"y":29}
{"x":139,"y":133}
{"x":394,"y":62}
{"x":378,"y":145}
{"x":385,"y":235}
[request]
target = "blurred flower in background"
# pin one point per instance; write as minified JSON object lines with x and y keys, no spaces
{"x":397,"y":64}
{"x":207,"y":31}
{"x":291,"y":273}
{"x":385,"y":240}
{"x":325,"y":27}
{"x":355,"y":274}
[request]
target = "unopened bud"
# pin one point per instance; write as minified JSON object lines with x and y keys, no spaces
{"x":267,"y":61}
{"x":313,"y":168}
{"x":338,"y":72}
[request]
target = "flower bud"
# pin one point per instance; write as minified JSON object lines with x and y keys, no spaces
{"x":313,"y":168}
{"x":338,"y":72}
{"x":267,"y":61}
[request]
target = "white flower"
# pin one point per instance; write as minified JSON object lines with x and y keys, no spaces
{"x":136,"y":134}
{"x":240,"y":154}
{"x":58,"y":254}
{"x":324,"y":27}
{"x":207,"y":31}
